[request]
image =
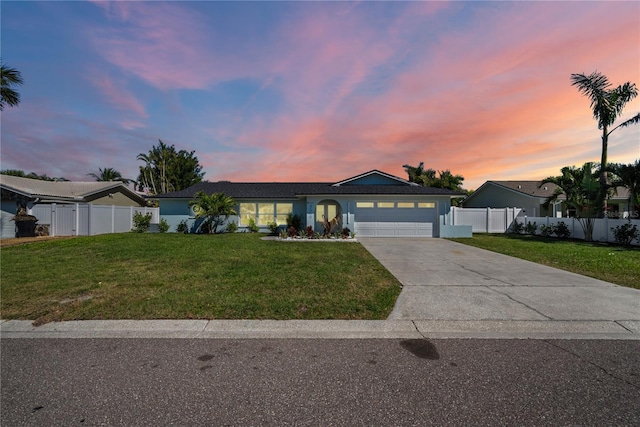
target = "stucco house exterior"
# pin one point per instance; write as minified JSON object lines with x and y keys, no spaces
{"x":531,"y":197}
{"x":372,"y":204}
{"x":27,"y":193}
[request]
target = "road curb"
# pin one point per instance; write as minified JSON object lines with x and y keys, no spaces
{"x":326,"y":329}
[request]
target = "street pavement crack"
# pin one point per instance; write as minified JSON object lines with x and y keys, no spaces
{"x":602,"y":368}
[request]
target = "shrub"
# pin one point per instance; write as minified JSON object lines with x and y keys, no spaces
{"x":294,"y":221}
{"x":252,"y":226}
{"x":345,"y":233}
{"x":141,"y":223}
{"x":562,"y":230}
{"x":273,"y":227}
{"x":163,"y":227}
{"x":530,"y":228}
{"x":182,"y":227}
{"x":292,"y":232}
{"x":626,"y":233}
{"x":516,"y":228}
{"x":546,"y":230}
{"x":232,"y":227}
{"x":310,"y":233}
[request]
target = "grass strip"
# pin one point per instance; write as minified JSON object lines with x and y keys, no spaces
{"x":606,"y":262}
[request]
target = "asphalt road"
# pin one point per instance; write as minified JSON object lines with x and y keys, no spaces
{"x":318,"y":382}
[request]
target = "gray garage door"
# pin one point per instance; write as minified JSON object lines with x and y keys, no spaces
{"x":395,"y":219}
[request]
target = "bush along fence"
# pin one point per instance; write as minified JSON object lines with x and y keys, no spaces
{"x":621,"y":231}
{"x":511,"y":220}
{"x":88,"y":220}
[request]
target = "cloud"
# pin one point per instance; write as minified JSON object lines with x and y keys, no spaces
{"x":119,"y":97}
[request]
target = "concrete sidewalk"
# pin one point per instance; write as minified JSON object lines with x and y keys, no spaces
{"x":450,"y":290}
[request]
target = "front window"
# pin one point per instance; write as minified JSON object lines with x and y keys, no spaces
{"x":247,"y":212}
{"x":265,"y":213}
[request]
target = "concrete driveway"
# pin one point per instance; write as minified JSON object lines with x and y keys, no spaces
{"x":445,"y":281}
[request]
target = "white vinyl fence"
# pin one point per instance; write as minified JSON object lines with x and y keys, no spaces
{"x":483,"y":220}
{"x":89,"y":220}
{"x":488,"y":220}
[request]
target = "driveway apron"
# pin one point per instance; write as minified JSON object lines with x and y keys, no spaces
{"x":450,"y":281}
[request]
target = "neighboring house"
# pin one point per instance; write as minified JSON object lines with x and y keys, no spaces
{"x":372,"y":204}
{"x":25,"y":193}
{"x":531,"y":197}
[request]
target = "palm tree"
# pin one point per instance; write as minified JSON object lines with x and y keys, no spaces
{"x":419,"y":175}
{"x":214,"y":209}
{"x":450,"y":181}
{"x":146,"y":174}
{"x":9,"y":77}
{"x":607,"y":104}
{"x":628,"y":176}
{"x":580,"y":189}
{"x":109,"y":174}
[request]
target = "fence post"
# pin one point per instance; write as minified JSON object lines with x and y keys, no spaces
{"x":52,"y":227}
{"x":488,"y":220}
{"x":90,"y":224}
{"x":76,"y":215}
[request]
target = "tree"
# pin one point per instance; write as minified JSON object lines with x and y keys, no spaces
{"x":607,"y":104}
{"x":628,"y":176}
{"x":167,"y":170}
{"x":580,"y":189}
{"x":428,"y":178}
{"x":214,"y":209}
{"x":109,"y":174}
{"x":9,"y":77}
{"x":31,"y":175}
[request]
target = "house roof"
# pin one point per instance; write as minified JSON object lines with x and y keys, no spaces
{"x":292,"y":190}
{"x":534,"y":189}
{"x":62,"y":190}
{"x":530,"y":188}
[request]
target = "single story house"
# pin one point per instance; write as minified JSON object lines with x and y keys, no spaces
{"x":531,"y":196}
{"x":25,"y":193}
{"x":372,"y":204}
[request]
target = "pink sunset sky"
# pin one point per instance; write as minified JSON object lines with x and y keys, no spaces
{"x":315,"y":91}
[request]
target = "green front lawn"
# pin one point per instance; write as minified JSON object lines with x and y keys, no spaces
{"x":605,"y":262}
{"x":178,"y":276}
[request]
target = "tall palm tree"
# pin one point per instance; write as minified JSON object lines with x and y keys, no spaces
{"x":607,"y":104}
{"x":628,"y":176}
{"x":146,"y":174}
{"x":109,"y":174}
{"x":9,"y":77}
{"x":214,"y":209}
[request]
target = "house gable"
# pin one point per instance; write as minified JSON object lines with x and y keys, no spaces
{"x":374,"y":177}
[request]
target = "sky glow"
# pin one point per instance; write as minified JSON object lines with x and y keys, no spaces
{"x":315,"y":91}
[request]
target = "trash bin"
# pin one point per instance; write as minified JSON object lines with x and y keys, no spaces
{"x":25,"y":225}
